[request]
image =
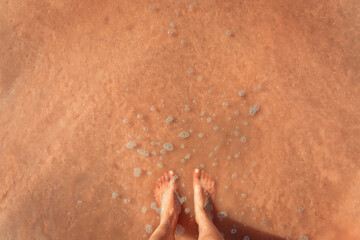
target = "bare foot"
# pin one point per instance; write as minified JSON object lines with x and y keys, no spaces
{"x":204,"y":193}
{"x":167,"y":200}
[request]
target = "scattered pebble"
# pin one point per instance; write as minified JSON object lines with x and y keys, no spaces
{"x":114,"y":195}
{"x":169,"y":119}
{"x":145,"y":129}
{"x":236,"y":112}
{"x":131,"y":144}
{"x":208,"y":120}
{"x":139,"y":116}
{"x":191,"y":70}
{"x":125,"y":121}
{"x":221,"y":215}
{"x":201,"y":135}
{"x":236,"y":132}
{"x":202,"y":114}
{"x":241,"y":93}
{"x":143,"y":152}
{"x":216,"y":128}
{"x":168,"y":146}
{"x":159,"y":165}
{"x":187,"y":210}
{"x":243,"y":139}
{"x":211,"y":154}
{"x":170,"y":31}
{"x":304,"y":238}
{"x":137,"y":172}
{"x":233,"y":231}
{"x":149,"y":173}
{"x":187,"y":156}
{"x":264,"y":223}
{"x":300,"y":209}
{"x":184,"y":134}
{"x":245,"y":123}
{"x":187,"y":108}
{"x":254,"y":109}
{"x":182,"y":41}
{"x":126,"y":200}
{"x":244,"y":195}
{"x":148,"y":228}
{"x":151,"y":6}
{"x":226,"y":104}
{"x":152,"y":108}
{"x":214,"y":164}
{"x":144,"y":209}
{"x":237,"y":155}
{"x":228,"y":32}
{"x":234,"y":175}
{"x":79,"y":202}
{"x":246,"y":238}
{"x":179,"y":230}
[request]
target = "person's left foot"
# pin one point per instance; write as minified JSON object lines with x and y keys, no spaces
{"x":166,"y":199}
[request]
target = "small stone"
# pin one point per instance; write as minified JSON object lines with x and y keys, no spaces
{"x":182,"y":41}
{"x":202,"y":165}
{"x":131,"y":144}
{"x":137,"y":172}
{"x":234,"y":175}
{"x":148,"y":228}
{"x":169,"y":119}
{"x":200,"y":135}
{"x":229,"y":157}
{"x":241,"y":93}
{"x":139,"y":116}
{"x":233,"y":231}
{"x":162,"y":151}
{"x":144,"y":209}
{"x":254,"y":109}
{"x":221,"y":215}
{"x":125,"y":121}
{"x":143,"y":152}
{"x":216,"y":148}
{"x":191,"y":70}
{"x":152,"y":108}
{"x":149,"y":173}
{"x":246,"y":238}
{"x":151,"y":6}
{"x":243,"y":139}
{"x":145,"y":129}
{"x":300,"y":209}
{"x":184,"y":135}
{"x":114,"y":195}
{"x":208,"y":120}
{"x":182,"y":146}
{"x":187,"y":108}
{"x":237,"y":155}
{"x":244,"y":195}
{"x":187,"y":210}
{"x":216,"y":128}
{"x":170,"y":31}
{"x":202,"y":114}
{"x":228,"y":32}
{"x":68,"y":213}
{"x":264,"y":223}
{"x":187,"y":156}
{"x":159,"y":165}
{"x":168,"y":146}
{"x":304,"y":238}
{"x":236,"y":132}
{"x":179,"y":230}
{"x":215,"y":164}
{"x":182,"y":200}
{"x":226,"y":104}
{"x":126,"y":200}
{"x":245,"y":123}
{"x":172,"y":24}
{"x":80,"y":202}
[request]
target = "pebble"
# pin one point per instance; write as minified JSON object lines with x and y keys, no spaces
{"x":187,"y":210}
{"x":114,"y":195}
{"x":143,"y":152}
{"x":243,"y":139}
{"x":221,"y":215}
{"x":152,"y":108}
{"x":216,"y":128}
{"x":159,"y":165}
{"x":79,"y":202}
{"x":254,"y":109}
{"x":216,"y":148}
{"x":208,"y":120}
{"x":228,"y":32}
{"x":211,"y":154}
{"x":300,"y":209}
{"x":236,"y":112}
{"x":244,"y":195}
{"x":182,"y":41}
{"x":264,"y":223}
{"x":168,"y":146}
{"x":236,"y":132}
{"x":145,"y":129}
{"x":241,"y":93}
{"x":237,"y":155}
{"x":125,"y":121}
{"x":170,"y":31}
{"x":151,"y":6}
{"x":149,"y":173}
{"x":233,"y":231}
{"x":131,"y":144}
{"x":187,"y":156}
{"x":187,"y":108}
{"x":226,"y":104}
{"x":184,"y":134}
{"x":126,"y":200}
{"x":234,"y":175}
{"x":304,"y":238}
{"x":148,"y":228}
{"x":169,"y":119}
{"x":172,"y":24}
{"x":214,"y":164}
{"x":139,"y":116}
{"x":137,"y":172}
{"x":179,"y":230}
{"x":246,"y":238}
{"x":201,"y":135}
{"x":144,"y":209}
{"x":245,"y":123}
{"x":202,"y":114}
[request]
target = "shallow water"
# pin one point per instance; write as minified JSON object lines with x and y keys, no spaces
{"x":267,"y":93}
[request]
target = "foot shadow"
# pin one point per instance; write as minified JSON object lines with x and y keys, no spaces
{"x":225,"y":226}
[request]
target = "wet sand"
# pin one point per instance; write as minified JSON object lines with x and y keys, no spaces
{"x":75,"y":76}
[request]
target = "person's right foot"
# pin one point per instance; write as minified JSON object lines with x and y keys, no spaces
{"x":204,"y":193}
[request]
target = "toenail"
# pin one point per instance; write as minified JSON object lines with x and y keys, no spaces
{"x":196,"y":170}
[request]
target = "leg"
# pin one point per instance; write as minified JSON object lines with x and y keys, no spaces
{"x":165,"y":197}
{"x":204,"y":191}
